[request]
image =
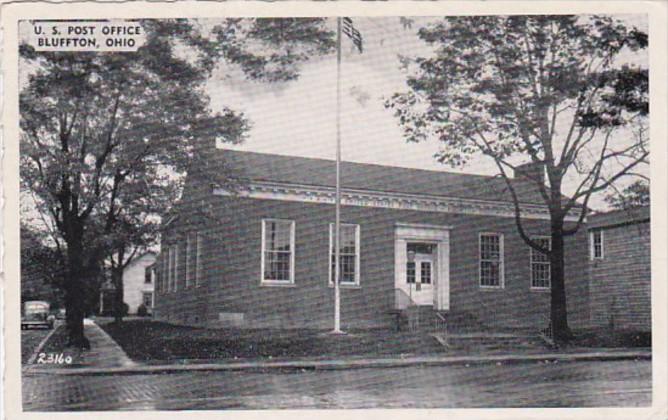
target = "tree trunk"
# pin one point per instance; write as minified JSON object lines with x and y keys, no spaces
{"x":75,"y":291}
{"x":558,"y":312}
{"x":117,"y":280}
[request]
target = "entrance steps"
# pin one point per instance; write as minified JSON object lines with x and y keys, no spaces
{"x":425,"y":318}
{"x":463,"y":331}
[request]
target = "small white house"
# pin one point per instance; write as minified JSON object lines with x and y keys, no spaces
{"x":138,"y":283}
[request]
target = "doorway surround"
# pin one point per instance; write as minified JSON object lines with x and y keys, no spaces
{"x":439,"y":235}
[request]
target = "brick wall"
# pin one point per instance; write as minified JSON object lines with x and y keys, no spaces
{"x":620,"y":282}
{"x":232,"y":268}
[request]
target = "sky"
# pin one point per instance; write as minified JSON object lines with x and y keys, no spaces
{"x":299,"y":118}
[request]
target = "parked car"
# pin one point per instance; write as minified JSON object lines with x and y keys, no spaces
{"x":61,"y":314}
{"x":36,"y":314}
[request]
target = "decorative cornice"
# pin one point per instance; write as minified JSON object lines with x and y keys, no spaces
{"x":423,"y":226}
{"x":390,"y":200}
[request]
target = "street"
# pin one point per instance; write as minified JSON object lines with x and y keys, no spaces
{"x":574,"y":384}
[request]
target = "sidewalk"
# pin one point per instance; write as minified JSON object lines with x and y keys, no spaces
{"x":104,"y":351}
{"x":107,"y":357}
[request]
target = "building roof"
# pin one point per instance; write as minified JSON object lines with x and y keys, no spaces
{"x":370,"y":177}
{"x":618,"y":217}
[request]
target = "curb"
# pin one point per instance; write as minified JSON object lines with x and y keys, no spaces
{"x":345,"y":364}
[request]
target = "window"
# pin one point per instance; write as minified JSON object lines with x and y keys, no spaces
{"x":278,"y":244}
{"x":349,"y":260}
{"x":491,"y":260}
{"x":170,"y":268}
{"x":165,"y":271}
{"x":147,"y":299}
{"x":540,"y":265}
{"x":190,"y":239}
{"x":410,"y":272}
{"x":425,"y":272}
{"x":198,"y":258}
{"x":148,"y":275}
{"x":596,"y":244}
{"x":175,"y":275}
{"x":173,"y":268}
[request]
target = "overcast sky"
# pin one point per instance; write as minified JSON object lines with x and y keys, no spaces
{"x":298,"y":118}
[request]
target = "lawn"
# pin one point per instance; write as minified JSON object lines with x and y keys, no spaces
{"x":30,"y":339}
{"x":57,"y":347}
{"x":145,"y":340}
{"x":603,"y":337}
{"x":55,"y":350}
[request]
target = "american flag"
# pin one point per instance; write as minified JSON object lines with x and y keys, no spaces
{"x":352,"y":33}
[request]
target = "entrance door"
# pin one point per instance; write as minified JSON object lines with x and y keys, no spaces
{"x":420,"y":273}
{"x":427,"y":247}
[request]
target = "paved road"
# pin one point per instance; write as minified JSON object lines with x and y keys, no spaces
{"x":574,"y":384}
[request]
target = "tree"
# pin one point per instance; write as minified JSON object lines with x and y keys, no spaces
{"x":538,"y":88}
{"x":102,"y":130}
{"x":135,"y":213}
{"x":42,"y":269}
{"x":634,"y":195}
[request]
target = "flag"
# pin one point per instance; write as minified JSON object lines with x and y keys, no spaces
{"x":352,"y":33}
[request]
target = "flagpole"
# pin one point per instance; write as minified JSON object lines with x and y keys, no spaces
{"x":337,"y":268}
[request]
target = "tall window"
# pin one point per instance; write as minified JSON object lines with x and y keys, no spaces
{"x":491,"y":260}
{"x":175,"y":275}
{"x":278,"y":246}
{"x":190,"y":239}
{"x":596,"y":244}
{"x":540,"y":265}
{"x":165,"y":270}
{"x":349,"y":257}
{"x":173,"y":267}
{"x":170,"y":269}
{"x":148,"y":275}
{"x":410,"y":272}
{"x":425,"y":272}
{"x":198,"y":258}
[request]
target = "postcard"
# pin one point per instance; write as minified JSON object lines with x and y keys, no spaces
{"x":393,"y":209}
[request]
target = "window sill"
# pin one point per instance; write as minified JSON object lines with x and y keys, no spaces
{"x":491,"y":288}
{"x":540,"y":289}
{"x":276,"y":284}
{"x":345,"y":286}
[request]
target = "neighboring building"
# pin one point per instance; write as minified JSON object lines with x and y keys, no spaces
{"x":138,"y":286}
{"x":445,"y":240}
{"x":620,"y":269}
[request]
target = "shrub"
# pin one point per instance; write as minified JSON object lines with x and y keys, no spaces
{"x":142,"y":310}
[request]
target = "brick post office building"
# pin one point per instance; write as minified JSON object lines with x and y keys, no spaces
{"x":262,"y":257}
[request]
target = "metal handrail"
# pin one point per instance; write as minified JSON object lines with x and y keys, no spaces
{"x":441,"y":325}
{"x":400,"y":295}
{"x":403,"y":301}
{"x":546,"y":333}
